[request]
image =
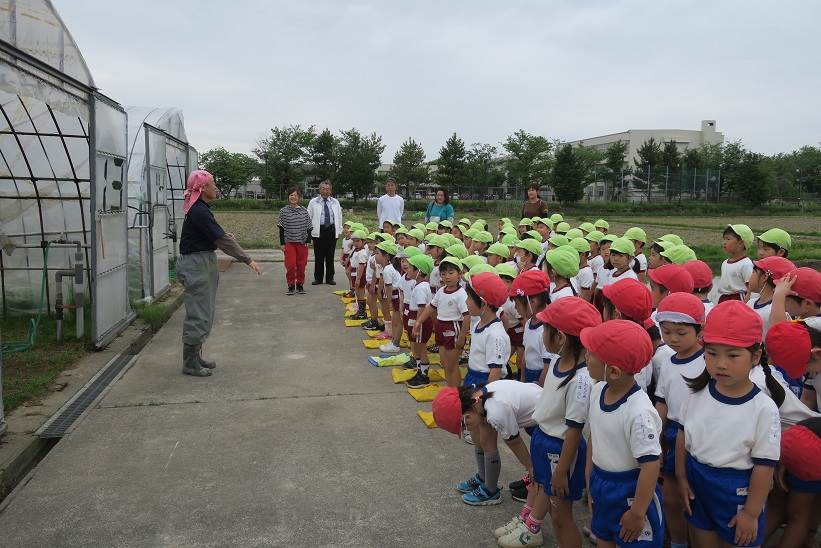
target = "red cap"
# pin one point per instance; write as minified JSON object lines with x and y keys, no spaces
{"x":800,"y":447}
{"x":680,"y":308}
{"x":672,"y":276}
{"x":807,"y":283}
{"x":620,"y":343}
{"x":701,"y":273}
{"x":530,"y":282}
{"x":490,"y":288}
{"x":733,"y":323}
{"x":789,"y":346}
{"x":776,"y":267}
{"x":447,"y":410}
{"x":570,"y":315}
{"x":631,"y":298}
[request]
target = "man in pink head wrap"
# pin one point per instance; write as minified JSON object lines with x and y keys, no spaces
{"x":197,"y":268}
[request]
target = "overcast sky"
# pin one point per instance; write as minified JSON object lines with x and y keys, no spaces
{"x":566,"y":70}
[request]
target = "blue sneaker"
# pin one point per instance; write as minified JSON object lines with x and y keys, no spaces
{"x":480,"y":497}
{"x":469,"y":484}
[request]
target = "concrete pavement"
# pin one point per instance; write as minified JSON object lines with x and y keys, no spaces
{"x":294,"y":441}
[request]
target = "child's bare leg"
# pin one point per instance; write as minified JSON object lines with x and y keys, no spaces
{"x":799,"y":510}
{"x":565,"y":529}
{"x":396,"y":326}
{"x":450,"y":362}
{"x":372,"y":306}
{"x":674,"y":511}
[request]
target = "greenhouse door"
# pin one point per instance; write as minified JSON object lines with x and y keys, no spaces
{"x":157,"y":203}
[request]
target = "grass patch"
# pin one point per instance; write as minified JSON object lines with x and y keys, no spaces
{"x":154,"y":314}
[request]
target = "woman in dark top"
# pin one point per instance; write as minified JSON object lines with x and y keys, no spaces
{"x":534,"y":206}
{"x":197,"y":269}
{"x":294,"y":232}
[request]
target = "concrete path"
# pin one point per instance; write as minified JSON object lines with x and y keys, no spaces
{"x":294,"y":441}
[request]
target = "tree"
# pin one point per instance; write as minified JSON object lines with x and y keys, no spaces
{"x":358,"y":157}
{"x":588,"y":160}
{"x":452,"y":163}
{"x":647,"y":164}
{"x":567,"y":179}
{"x":482,"y":166}
{"x":528,"y":158}
{"x":753,"y":185}
{"x":231,"y":170}
{"x":322,"y":155}
{"x":733,"y":155}
{"x":283,"y":155}
{"x":614,"y":163}
{"x":671,"y":157}
{"x":409,"y":166}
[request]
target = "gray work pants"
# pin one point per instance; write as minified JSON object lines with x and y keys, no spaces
{"x":199,"y":274}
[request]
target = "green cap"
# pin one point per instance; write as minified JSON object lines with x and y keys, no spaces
{"x":564,"y":261}
{"x":601,"y":223}
{"x":464,"y":221}
{"x":580,"y":244}
{"x":431,"y":226}
{"x":608,"y":238}
{"x":562,"y":227}
{"x":349,"y":223}
{"x":526,"y":222}
{"x":411,"y":251}
{"x":674,"y":239}
{"x":506,"y":221}
{"x":546,"y":222}
{"x":422,"y":262}
{"x":556,"y":218}
{"x":478,"y":269}
{"x":594,"y":236}
{"x":446,"y":224}
{"x":481,"y":222}
{"x":387,"y":237}
{"x":636,"y":233}
{"x":508,"y":230}
{"x":535,"y":235}
{"x":470,"y":233}
{"x":478,"y":225}
{"x":499,"y":249}
{"x":388,"y":247}
{"x":510,"y":240}
{"x":664,"y":244}
{"x":531,"y":245}
{"x":679,"y":254}
{"x":623,"y":245}
{"x":359,"y":235}
{"x":416,"y":233}
{"x":453,"y":261}
{"x":558,"y":240}
{"x":401,"y":230}
{"x":372,"y":236}
{"x":535,"y":220}
{"x":587,"y":227}
{"x":437,"y":241}
{"x":506,"y":269}
{"x":358,"y":226}
{"x":484,"y":237}
{"x":457,"y":250}
{"x":574,"y":233}
{"x":472,"y":260}
{"x":777,"y":236}
{"x":745,"y":234}
{"x":420,"y":226}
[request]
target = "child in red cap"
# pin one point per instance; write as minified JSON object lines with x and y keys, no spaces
{"x":624,"y":438}
{"x":796,"y":348}
{"x":680,"y":317}
{"x":762,"y":281}
{"x":669,"y":278}
{"x":702,"y":276}
{"x":729,"y":442}
{"x":798,"y":294}
{"x":557,"y":447}
{"x":529,"y":292}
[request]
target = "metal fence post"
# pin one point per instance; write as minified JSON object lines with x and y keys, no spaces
{"x":2,"y":417}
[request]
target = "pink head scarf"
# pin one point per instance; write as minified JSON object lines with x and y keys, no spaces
{"x":197,"y":180}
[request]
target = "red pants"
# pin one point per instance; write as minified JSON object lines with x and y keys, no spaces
{"x":296,"y":258}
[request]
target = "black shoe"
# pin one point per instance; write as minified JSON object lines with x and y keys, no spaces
{"x":411,"y":364}
{"x":359,"y":316}
{"x":300,"y":289}
{"x":290,"y":290}
{"x":380,"y":326}
{"x":370,"y":325}
{"x":519,"y":494}
{"x":316,"y":282}
{"x":330,"y":282}
{"x":516,"y":485}
{"x":420,"y":380}
{"x":463,"y":360}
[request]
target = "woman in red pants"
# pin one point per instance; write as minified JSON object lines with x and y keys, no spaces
{"x":294,"y":233}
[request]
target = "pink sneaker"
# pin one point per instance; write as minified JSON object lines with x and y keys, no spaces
{"x":383,"y":336}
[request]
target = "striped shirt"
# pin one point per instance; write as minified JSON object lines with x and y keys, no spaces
{"x":295,"y":222}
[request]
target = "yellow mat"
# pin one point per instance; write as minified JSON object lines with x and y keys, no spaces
{"x":354,"y":323}
{"x":350,"y":310}
{"x":427,"y":418}
{"x":402,"y":375}
{"x":372,"y":344}
{"x":424,"y":394}
{"x":347,"y":300}
{"x":340,"y":292}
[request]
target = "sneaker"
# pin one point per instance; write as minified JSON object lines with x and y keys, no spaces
{"x":369,"y":325}
{"x":521,"y":537}
{"x":463,"y":360}
{"x":519,"y":494}
{"x":469,"y":484}
{"x":384,"y":336}
{"x":412,"y":363}
{"x":420,"y":380}
{"x":389,"y":348}
{"x":481,"y":497}
{"x":508,"y":527}
{"x":379,"y":326}
{"x":466,"y":437}
{"x":290,"y":290}
{"x":300,"y":289}
{"x":433,"y":349}
{"x":357,"y":316}
{"x":518,"y":484}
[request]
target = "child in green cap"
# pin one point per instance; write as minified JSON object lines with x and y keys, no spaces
{"x":419,"y":268}
{"x":737,"y":269}
{"x":774,"y":242}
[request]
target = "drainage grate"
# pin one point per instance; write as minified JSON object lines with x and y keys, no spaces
{"x":63,"y":420}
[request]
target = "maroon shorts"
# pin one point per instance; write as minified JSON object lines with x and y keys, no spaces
{"x":447,"y":332}
{"x":358,"y":281}
{"x":730,"y":297}
{"x":516,"y":334}
{"x":407,"y":315}
{"x":424,"y":336}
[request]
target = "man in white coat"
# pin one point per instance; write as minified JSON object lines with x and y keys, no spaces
{"x":326,"y":220}
{"x":390,"y":205}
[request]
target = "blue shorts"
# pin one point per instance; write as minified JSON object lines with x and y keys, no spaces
{"x":532,"y":375}
{"x":612,"y":494}
{"x":803,"y":486}
{"x":719,"y":493}
{"x":545,"y":452}
{"x":475,"y":378}
{"x":668,"y":467}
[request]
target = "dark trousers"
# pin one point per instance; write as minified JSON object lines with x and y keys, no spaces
{"x":324,"y":249}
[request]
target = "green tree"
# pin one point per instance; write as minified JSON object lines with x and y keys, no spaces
{"x":283,"y":155}
{"x":528,"y":160}
{"x":358,"y":158}
{"x":733,"y":155}
{"x":589,"y":161}
{"x":231,"y":170}
{"x":753,"y":184}
{"x":322,"y":155}
{"x":452,"y":163}
{"x":614,"y":158}
{"x":409,"y":166}
{"x":567,"y":178}
{"x":482,"y":167}
{"x":647,"y":165}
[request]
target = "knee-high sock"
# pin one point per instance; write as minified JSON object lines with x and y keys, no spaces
{"x":480,"y":462}
{"x":493,"y":466}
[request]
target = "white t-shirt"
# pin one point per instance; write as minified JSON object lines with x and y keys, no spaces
{"x":347,"y":246}
{"x":582,"y":280}
{"x":489,"y":347}
{"x":708,"y":305}
{"x":644,"y":377}
{"x":792,"y":409}
{"x":536,"y":355}
{"x":611,"y":277}
{"x":671,"y":387}
{"x":734,"y":433}
{"x":660,"y":357}
{"x":390,"y":208}
{"x":734,"y":276}
{"x":555,"y":295}
{"x":450,"y":305}
{"x":391,"y":277}
{"x":596,"y":264}
{"x":370,"y":269}
{"x":624,"y":433}
{"x":420,"y":296}
{"x":642,"y":262}
{"x":359,"y":257}
{"x":763,"y":310}
{"x":509,"y":314}
{"x":435,"y":279}
{"x":511,"y":406}
{"x":813,"y":382}
{"x":568,"y":406}
{"x":406,"y":287}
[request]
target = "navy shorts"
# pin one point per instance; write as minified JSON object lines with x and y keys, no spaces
{"x":719,"y":493}
{"x":803,"y":486}
{"x":532,"y":375}
{"x":668,"y":467}
{"x":475,"y":378}
{"x":545,"y":452}
{"x":612,"y":494}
